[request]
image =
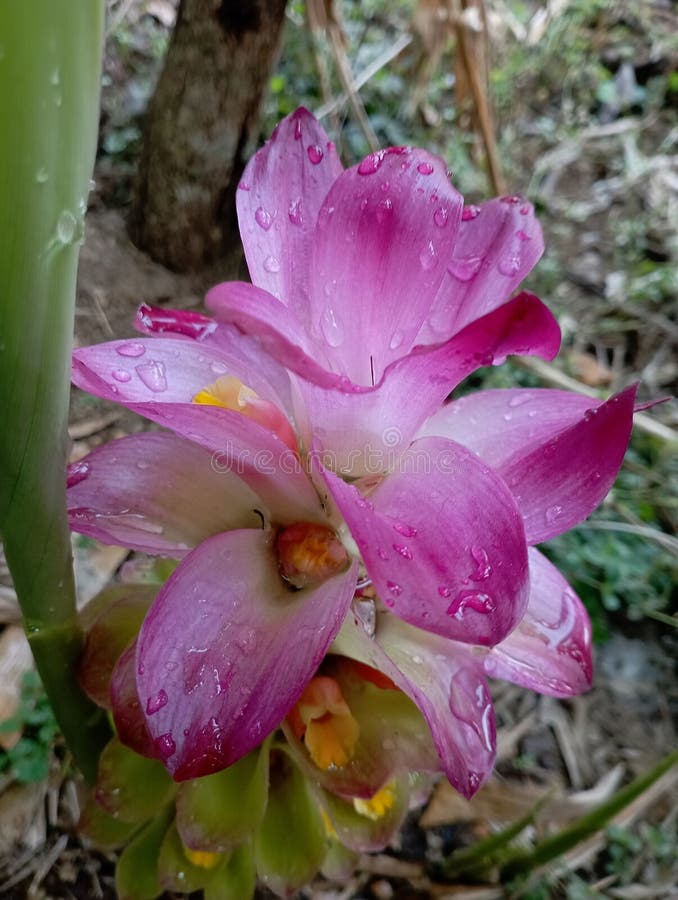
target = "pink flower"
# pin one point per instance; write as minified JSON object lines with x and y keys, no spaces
{"x":375,"y":294}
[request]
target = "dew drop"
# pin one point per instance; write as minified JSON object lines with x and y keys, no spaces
{"x":394,"y":588}
{"x":553,"y":513}
{"x":272,"y":264}
{"x":523,"y":235}
{"x":444,"y":590}
{"x":153,"y":375}
{"x":524,"y":210}
{"x":331,"y":328}
{"x":297,"y":130}
{"x":482,"y":568}
{"x":385,"y":185}
{"x":218,"y":368}
{"x":382,"y":554}
{"x":156,"y":702}
{"x":263,"y":218}
{"x":165,"y":745}
{"x":464,"y":269}
{"x":384,"y":210}
{"x":66,"y":227}
{"x":440,"y":216}
{"x":243,"y":186}
{"x":371,"y":163}
{"x":397,"y":340}
{"x":425,"y":168}
{"x":121,"y":375}
{"x":428,"y":257}
{"x":315,"y":154}
{"x":133,"y":349}
{"x":512,"y":199}
{"x":510,"y":264}
{"x":41,"y":175}
{"x":55,"y":78}
{"x":294,"y":212}
{"x":405,"y":530}
{"x":469,"y":212}
{"x":474,"y":600}
{"x":520,"y":399}
{"x":77,"y":473}
{"x":404,"y":551}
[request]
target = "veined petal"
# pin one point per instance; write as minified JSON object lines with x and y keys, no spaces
{"x":157,"y":493}
{"x":442,"y":541}
{"x":550,"y":650}
{"x":227,"y":649}
{"x":384,"y":232}
{"x":446,"y":683}
{"x":498,"y":244}
{"x":280,"y":194}
{"x":559,"y":482}
{"x":366,"y":432}
{"x":496,"y":424}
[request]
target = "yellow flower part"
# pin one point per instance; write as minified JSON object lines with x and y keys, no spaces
{"x":322,"y":717}
{"x":309,"y":554}
{"x":330,"y":830}
{"x":203,"y":859}
{"x":378,"y":805}
{"x":230,"y":393}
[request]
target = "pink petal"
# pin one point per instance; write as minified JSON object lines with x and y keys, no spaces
{"x":365,"y":433}
{"x":498,"y":243}
{"x":442,"y":541}
{"x":227,"y":649}
{"x":130,"y":723}
{"x":157,"y":493}
{"x":385,"y":231}
{"x":281,"y":192}
{"x":154,"y":320}
{"x":560,"y":481}
{"x":447,"y":685}
{"x":496,"y":424}
{"x":237,"y":443}
{"x":550,"y":650}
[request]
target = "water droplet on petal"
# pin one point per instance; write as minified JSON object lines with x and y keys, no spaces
{"x":331,"y":328}
{"x":263,"y":218}
{"x":384,"y":210}
{"x":165,"y":745}
{"x":510,"y":263}
{"x":77,"y":473}
{"x":520,"y":399}
{"x":133,"y":349}
{"x":272,"y":264}
{"x":243,"y":186}
{"x":524,"y":210}
{"x":315,"y":154}
{"x":294,"y":212}
{"x":382,"y":554}
{"x":405,"y":530}
{"x":553,"y":513}
{"x":512,"y":199}
{"x":156,"y":702}
{"x":404,"y":551}
{"x":482,"y":568}
{"x":297,"y":130}
{"x":397,"y":340}
{"x":523,"y":235}
{"x":385,"y":185}
{"x":121,"y":375}
{"x":444,"y":590}
{"x":464,"y":269}
{"x":371,"y":163}
{"x":394,"y":588}
{"x":440,"y":216}
{"x":428,"y":257}
{"x":469,"y":212}
{"x":474,"y":600}
{"x":153,"y":375}
{"x":218,"y":368}
{"x":424,"y":168}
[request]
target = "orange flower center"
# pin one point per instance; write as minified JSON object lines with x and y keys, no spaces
{"x":309,"y":554}
{"x":323,"y":720}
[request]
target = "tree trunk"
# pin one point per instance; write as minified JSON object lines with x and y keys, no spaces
{"x":201,"y":124}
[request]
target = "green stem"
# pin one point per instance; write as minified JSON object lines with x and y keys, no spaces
{"x":520,"y":862}
{"x":50,"y":64}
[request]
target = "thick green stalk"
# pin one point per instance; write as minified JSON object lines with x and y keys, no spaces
{"x":50,"y":63}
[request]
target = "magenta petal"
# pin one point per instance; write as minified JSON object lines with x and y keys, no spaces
{"x":156,"y":493}
{"x":153,"y":320}
{"x":228,"y":648}
{"x":442,"y":541}
{"x":497,"y":424}
{"x":280,"y":194}
{"x":550,"y":650}
{"x":384,"y":234}
{"x":498,"y":243}
{"x":445,"y":682}
{"x":365,"y":432}
{"x":130,"y":722}
{"x":561,"y":481}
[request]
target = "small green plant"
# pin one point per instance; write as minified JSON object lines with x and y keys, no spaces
{"x":28,"y":759}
